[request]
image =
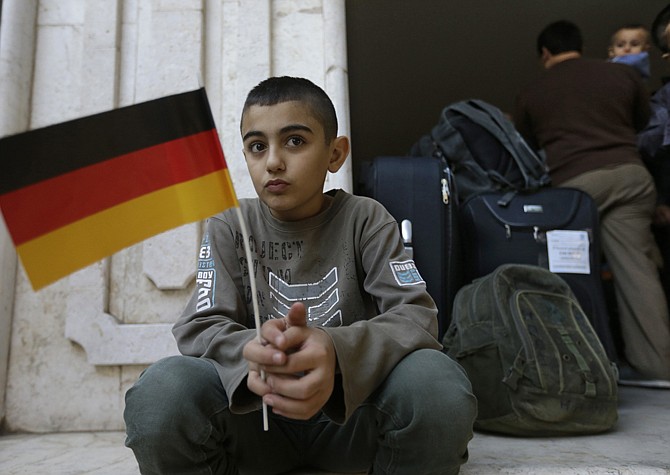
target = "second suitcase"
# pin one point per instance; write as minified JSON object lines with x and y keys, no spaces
{"x":552,"y":227}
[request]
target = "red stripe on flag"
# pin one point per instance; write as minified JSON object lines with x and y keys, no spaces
{"x":48,"y":205}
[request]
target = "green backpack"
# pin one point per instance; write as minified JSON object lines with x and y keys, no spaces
{"x":534,"y":360}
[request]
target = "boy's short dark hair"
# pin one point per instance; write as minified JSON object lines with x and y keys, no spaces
{"x":276,"y":90}
{"x":560,"y":37}
{"x":658,"y":30}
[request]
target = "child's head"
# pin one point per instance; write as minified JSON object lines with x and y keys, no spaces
{"x":629,"y":39}
{"x":289,"y":132}
{"x":659,"y":31}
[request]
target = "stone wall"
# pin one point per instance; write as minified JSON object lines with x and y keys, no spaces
{"x":69,"y":352}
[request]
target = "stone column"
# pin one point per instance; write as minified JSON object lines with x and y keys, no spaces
{"x":17,"y":49}
{"x":337,"y":79}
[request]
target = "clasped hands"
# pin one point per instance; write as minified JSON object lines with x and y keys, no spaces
{"x":299,"y":364}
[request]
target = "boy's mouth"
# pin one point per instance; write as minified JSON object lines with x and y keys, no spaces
{"x":276,"y":186}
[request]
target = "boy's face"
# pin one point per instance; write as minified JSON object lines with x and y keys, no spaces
{"x":629,"y":41}
{"x":288,"y":158}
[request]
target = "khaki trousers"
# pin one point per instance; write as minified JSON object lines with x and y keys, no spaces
{"x":626,"y":197}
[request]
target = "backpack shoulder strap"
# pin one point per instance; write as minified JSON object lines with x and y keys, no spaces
{"x":492,"y":119}
{"x":449,"y":139}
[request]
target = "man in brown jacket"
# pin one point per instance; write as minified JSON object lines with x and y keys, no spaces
{"x":585,"y":114}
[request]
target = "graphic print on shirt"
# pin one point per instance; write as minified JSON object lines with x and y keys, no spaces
{"x":321,"y":299}
{"x":205,"y":276}
{"x":406,"y":273}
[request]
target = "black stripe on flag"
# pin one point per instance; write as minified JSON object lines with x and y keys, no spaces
{"x":39,"y":154}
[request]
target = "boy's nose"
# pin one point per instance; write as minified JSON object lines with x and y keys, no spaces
{"x":275,"y":160}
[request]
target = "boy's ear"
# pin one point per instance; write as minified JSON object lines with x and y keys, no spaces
{"x":340,"y":152}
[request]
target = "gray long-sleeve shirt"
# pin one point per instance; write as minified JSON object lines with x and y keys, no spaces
{"x":349,"y":268}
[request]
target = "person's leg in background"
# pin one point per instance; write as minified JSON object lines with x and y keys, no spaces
{"x":625,"y":196}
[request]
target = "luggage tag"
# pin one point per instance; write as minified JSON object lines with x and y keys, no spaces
{"x":568,"y":251}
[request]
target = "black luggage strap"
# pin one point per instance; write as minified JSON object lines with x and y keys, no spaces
{"x":506,"y":199}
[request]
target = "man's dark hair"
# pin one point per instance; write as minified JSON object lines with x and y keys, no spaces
{"x":658,"y":30}
{"x":276,"y":90}
{"x":560,"y":37}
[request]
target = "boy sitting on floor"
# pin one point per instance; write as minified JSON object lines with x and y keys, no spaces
{"x":355,"y":378}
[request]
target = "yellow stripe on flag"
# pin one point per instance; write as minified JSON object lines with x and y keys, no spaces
{"x":77,"y":245}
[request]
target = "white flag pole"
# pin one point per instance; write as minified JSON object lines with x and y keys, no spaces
{"x":254,"y":298}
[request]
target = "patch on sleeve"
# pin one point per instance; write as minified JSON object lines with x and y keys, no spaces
{"x":406,"y":273}
{"x":206,"y":276}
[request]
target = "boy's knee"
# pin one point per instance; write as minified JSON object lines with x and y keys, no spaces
{"x":437,"y":383}
{"x":168,"y":388}
{"x":431,"y":367}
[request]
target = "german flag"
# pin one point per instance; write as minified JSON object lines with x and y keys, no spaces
{"x":76,"y":192}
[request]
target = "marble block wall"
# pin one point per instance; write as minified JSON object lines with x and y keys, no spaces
{"x":69,"y":352}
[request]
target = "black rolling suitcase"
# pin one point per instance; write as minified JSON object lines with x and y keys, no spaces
{"x":554,"y":228}
{"x":418,"y":192}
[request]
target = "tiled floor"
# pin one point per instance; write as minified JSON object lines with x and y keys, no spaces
{"x":640,"y":445}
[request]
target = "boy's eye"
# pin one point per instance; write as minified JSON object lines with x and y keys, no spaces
{"x":295,"y":141}
{"x":256,"y":147}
